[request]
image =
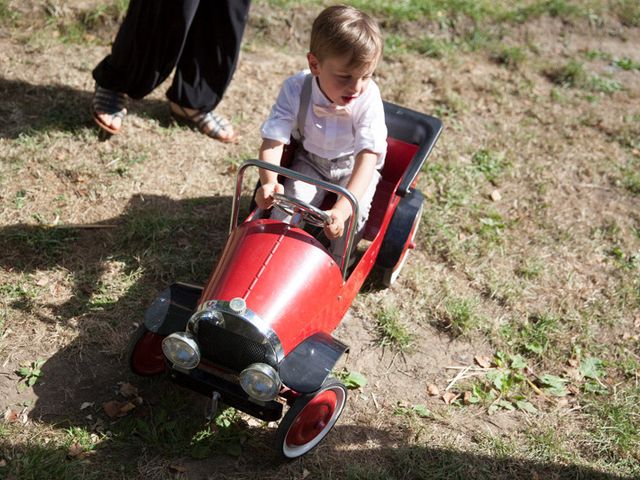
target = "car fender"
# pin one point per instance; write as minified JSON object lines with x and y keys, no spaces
{"x":399,"y":229}
{"x":172,"y":309}
{"x":308,"y":365}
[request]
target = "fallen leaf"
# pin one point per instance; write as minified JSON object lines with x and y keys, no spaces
{"x":495,"y":196}
{"x":128,"y":390}
{"x":562,"y":402}
{"x":483,"y":361}
{"x":86,"y":405}
{"x":115,"y":408}
{"x":305,"y":473}
{"x":10,"y":416}
{"x":450,"y":397}
{"x":433,"y":390}
{"x":75,"y":450}
{"x":3,"y":463}
{"x":467,"y":398}
{"x":573,"y":362}
{"x":178,"y":468}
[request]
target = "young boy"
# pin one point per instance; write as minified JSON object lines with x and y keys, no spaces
{"x":336,"y":113}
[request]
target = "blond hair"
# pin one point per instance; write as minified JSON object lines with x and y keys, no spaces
{"x":342,"y":30}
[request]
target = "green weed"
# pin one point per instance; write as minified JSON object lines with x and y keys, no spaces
{"x":631,"y":177}
{"x":31,"y":373}
{"x":505,"y":387}
{"x":529,"y":269}
{"x":490,"y":163}
{"x":351,"y":380}
{"x":460,"y":315}
{"x":35,"y":461}
{"x":626,"y":63}
{"x":547,"y":445}
{"x":596,"y":55}
{"x":571,"y":74}
{"x":604,"y":84}
{"x":8,"y":16}
{"x":536,"y":9}
{"x":391,"y":333}
{"x":533,"y":337}
{"x":511,"y":57}
{"x":615,"y":429}
{"x":45,"y":242}
{"x":225,"y":435}
{"x":20,"y":199}
{"x":80,"y":439}
{"x":628,"y":12}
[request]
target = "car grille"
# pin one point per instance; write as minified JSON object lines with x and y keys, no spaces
{"x":229,"y":349}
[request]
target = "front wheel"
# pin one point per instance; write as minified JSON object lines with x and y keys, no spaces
{"x":145,"y":352}
{"x":310,"y":418}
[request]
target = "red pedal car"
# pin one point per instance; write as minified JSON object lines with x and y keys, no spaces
{"x":258,"y":335}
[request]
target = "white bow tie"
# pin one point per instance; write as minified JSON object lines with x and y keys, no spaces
{"x":331,"y":110}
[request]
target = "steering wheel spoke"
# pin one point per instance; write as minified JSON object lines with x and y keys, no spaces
{"x":310,"y":214}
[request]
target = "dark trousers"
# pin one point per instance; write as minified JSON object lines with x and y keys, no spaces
{"x":201,"y":39}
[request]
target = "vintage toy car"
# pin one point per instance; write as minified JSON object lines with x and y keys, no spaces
{"x":258,"y":335}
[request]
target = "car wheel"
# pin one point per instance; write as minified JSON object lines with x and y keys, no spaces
{"x":145,"y":352}
{"x":390,"y":275}
{"x":310,"y":418}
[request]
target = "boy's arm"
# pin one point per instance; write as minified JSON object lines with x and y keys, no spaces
{"x":365,"y":166}
{"x":270,"y":152}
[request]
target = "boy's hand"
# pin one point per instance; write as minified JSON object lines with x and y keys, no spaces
{"x":336,"y":228}
{"x":264,"y":194}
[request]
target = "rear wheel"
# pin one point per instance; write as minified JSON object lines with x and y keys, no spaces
{"x":145,"y":352}
{"x":390,"y":275}
{"x":310,"y":418}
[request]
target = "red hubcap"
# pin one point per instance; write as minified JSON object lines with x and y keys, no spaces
{"x":313,"y":418}
{"x":147,"y":357}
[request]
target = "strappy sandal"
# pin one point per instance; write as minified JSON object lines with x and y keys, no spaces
{"x":208,"y":123}
{"x":108,"y":102}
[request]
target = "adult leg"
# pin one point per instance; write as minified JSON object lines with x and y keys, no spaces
{"x":207,"y":64}
{"x":146,"y":49}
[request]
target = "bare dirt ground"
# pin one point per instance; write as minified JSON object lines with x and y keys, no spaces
{"x":151,"y":207}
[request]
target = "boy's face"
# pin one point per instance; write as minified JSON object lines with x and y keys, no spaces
{"x":340,"y":83}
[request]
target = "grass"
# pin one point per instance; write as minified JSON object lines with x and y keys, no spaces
{"x":615,"y":430}
{"x":542,"y":279}
{"x":459,"y":315}
{"x":391,"y":332}
{"x":534,"y":335}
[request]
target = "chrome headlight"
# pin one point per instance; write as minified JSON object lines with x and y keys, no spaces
{"x":260,"y":381}
{"x":182,"y":350}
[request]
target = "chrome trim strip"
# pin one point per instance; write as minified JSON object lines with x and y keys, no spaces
{"x":337,"y":189}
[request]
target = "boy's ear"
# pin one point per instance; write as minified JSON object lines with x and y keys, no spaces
{"x":314,"y":64}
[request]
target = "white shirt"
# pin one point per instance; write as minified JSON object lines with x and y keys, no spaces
{"x":334,"y":136}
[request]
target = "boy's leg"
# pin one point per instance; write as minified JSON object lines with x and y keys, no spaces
{"x":364,"y":206}
{"x":301,"y":190}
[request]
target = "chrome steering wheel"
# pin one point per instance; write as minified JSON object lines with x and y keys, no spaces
{"x":310,"y":214}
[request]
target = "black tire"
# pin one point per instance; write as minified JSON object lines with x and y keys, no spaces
{"x":310,"y":419}
{"x":390,"y":275}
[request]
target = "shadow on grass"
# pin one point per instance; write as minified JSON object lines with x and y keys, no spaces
{"x":95,"y":284}
{"x":329,"y":461}
{"x":27,"y":107}
{"x":110,"y":272}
